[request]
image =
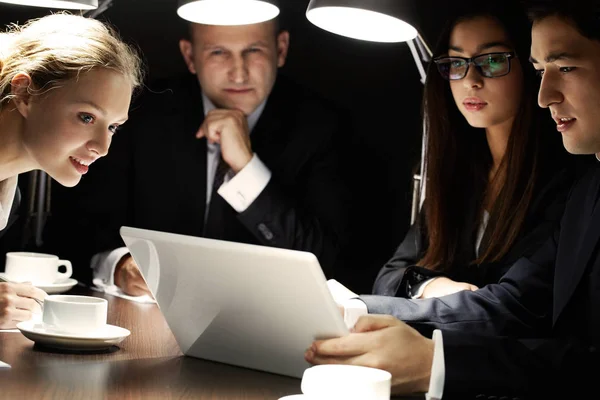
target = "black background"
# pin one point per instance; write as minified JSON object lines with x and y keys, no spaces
{"x":377,"y":83}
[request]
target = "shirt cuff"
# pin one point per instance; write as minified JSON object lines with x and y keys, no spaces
{"x":353,"y":310}
{"x":104,"y":265}
{"x":241,"y":190}
{"x":416,"y":292}
{"x":438,"y":368}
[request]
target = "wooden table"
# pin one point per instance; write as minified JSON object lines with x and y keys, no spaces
{"x":147,"y":365}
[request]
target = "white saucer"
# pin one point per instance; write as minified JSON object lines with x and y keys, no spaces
{"x":103,"y":338}
{"x":56,"y":287}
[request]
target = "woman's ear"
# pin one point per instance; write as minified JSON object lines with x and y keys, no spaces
{"x":20,"y":85}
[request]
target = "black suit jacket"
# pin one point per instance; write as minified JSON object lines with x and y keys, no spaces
{"x":549,"y":301}
{"x":154,"y":177}
{"x":400,"y":272}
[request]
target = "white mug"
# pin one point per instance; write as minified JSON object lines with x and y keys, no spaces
{"x":347,"y":382}
{"x":37,"y":268}
{"x":76,"y":314}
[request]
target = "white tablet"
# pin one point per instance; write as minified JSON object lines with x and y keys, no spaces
{"x":252,"y":306}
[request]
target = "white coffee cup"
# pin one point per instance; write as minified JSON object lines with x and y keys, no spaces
{"x":76,"y":314}
{"x":37,"y":268}
{"x":345,"y":382}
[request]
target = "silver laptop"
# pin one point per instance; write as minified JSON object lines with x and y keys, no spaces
{"x":251,"y":306}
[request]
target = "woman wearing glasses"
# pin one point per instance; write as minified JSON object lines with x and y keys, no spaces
{"x":65,"y":87}
{"x":496,"y":171}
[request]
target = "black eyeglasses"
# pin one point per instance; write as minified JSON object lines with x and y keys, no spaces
{"x":490,"y":65}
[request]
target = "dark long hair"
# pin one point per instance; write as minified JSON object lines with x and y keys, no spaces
{"x":459,"y":159}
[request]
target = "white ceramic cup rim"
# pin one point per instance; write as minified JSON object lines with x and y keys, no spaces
{"x":75,"y":299}
{"x":30,"y":254}
{"x":347,"y":373}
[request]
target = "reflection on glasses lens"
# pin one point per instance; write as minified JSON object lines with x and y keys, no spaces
{"x":488,"y":65}
{"x":452,"y":68}
{"x":492,"y":65}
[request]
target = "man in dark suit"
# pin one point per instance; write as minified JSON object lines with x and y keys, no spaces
{"x":548,"y":301}
{"x":233,"y":151}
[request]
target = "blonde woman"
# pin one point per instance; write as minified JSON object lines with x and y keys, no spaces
{"x":65,"y":87}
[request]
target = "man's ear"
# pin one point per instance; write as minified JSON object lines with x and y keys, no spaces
{"x":20,"y":85}
{"x":283,"y":44}
{"x":187,"y":51}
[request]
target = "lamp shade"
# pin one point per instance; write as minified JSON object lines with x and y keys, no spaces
{"x":373,"y":20}
{"x":228,"y":12}
{"x":62,"y":4}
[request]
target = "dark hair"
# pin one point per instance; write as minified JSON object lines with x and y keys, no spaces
{"x":459,"y":159}
{"x":584,"y":14}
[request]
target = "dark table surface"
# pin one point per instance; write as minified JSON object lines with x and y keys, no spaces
{"x":146,"y":365}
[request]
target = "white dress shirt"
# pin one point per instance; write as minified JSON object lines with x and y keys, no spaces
{"x":239,"y":190}
{"x":8,"y":188}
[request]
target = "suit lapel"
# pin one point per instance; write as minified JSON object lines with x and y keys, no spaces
{"x":191,"y":168}
{"x":268,"y":135}
{"x":567,"y":279}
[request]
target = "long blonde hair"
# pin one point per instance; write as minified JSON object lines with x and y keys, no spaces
{"x":59,"y":47}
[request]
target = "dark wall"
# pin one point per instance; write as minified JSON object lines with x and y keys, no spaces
{"x":377,"y":83}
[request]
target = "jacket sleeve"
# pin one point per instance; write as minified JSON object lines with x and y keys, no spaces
{"x":317,"y":219}
{"x":486,"y":366}
{"x":400,"y":273}
{"x":520,"y":303}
